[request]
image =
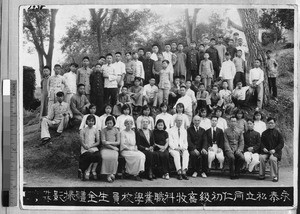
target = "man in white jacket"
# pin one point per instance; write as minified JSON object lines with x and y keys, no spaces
{"x":178,"y":147}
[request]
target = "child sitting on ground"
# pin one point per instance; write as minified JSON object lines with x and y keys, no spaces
{"x":226,"y":96}
{"x":97,"y":125}
{"x":136,"y":95}
{"x":202,"y":98}
{"x":146,"y":112}
{"x":205,"y":122}
{"x":126,"y":111}
{"x":165,"y":116}
{"x":214,"y":99}
{"x":103,"y":117}
{"x":123,"y":98}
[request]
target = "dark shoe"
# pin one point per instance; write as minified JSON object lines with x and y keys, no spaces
{"x":45,"y":141}
{"x":137,"y":178}
{"x":185,"y":177}
{"x":233,"y":177}
{"x":179,"y":177}
{"x":275,"y":179}
{"x":261,"y":177}
{"x":150,"y":177}
{"x":80,"y":175}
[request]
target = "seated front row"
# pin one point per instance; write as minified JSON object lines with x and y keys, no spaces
{"x":147,"y":151}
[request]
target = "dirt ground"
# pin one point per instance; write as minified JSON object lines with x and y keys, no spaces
{"x":38,"y":178}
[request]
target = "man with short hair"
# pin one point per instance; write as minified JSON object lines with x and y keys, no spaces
{"x":215,"y":141}
{"x":272,"y":143}
{"x":178,"y":146}
{"x":150,"y":93}
{"x":214,"y":57}
{"x":197,"y":142}
{"x":79,"y":103}
{"x":110,"y":81}
{"x":119,"y":67}
{"x":256,"y":78}
{"x":234,"y":146}
{"x":148,"y":67}
{"x":58,"y":117}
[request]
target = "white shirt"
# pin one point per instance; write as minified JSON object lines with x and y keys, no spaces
{"x":205,"y":123}
{"x":222,"y":123}
{"x":168,"y":56}
{"x":228,"y":70}
{"x":70,"y":78}
{"x":176,"y":141}
{"x":120,"y":69}
{"x":244,"y":51}
{"x":259,"y":126}
{"x":154,"y":56}
{"x":150,"y":91}
{"x":240,"y":94}
{"x":256,"y":74}
{"x":110,"y":76}
{"x":167,"y":118}
{"x":191,"y":94}
{"x":139,"y":69}
{"x":120,"y":121}
{"x":187,"y":102}
{"x":97,"y":124}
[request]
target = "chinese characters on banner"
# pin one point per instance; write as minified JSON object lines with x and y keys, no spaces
{"x":117,"y":196}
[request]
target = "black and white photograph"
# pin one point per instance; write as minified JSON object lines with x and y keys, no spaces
{"x":162,"y":105}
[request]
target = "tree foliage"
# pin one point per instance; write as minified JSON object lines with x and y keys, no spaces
{"x":276,"y":20}
{"x":108,"y":30}
{"x":39,"y":26}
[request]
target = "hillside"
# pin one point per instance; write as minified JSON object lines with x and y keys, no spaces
{"x":62,"y":155}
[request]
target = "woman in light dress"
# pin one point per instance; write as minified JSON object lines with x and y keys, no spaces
{"x":135,"y":159}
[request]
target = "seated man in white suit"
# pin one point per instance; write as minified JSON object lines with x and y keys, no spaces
{"x":178,"y":146}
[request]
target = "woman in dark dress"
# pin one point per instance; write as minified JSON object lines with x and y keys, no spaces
{"x":161,"y":144}
{"x":97,"y":88}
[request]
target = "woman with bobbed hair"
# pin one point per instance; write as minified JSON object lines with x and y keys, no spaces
{"x":110,"y":138}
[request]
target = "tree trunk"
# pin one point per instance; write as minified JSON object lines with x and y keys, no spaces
{"x":250,"y":22}
{"x":41,"y":63}
{"x":49,"y":55}
{"x":194,"y":24}
{"x":187,"y":27}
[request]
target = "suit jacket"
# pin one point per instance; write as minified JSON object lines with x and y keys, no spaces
{"x":272,"y":139}
{"x":196,"y":140}
{"x":141,"y":140}
{"x":219,"y":138}
{"x":175,"y":141}
{"x":233,"y":140}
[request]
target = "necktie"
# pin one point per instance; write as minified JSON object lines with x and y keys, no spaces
{"x":179,"y":132}
{"x":214,"y":135}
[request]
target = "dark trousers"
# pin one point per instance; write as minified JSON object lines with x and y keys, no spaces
{"x":236,"y":161}
{"x":199,"y":163}
{"x":201,"y":104}
{"x":110,"y":96}
{"x":163,"y":161}
{"x":194,"y":74}
{"x":151,"y":160}
{"x":239,"y":77}
{"x":173,"y":100}
{"x":87,"y":158}
{"x":272,"y":86}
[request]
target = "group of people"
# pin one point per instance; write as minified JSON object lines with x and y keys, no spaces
{"x":103,"y":98}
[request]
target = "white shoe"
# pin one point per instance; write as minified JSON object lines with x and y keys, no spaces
{"x":195,"y":174}
{"x":203,"y":175}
